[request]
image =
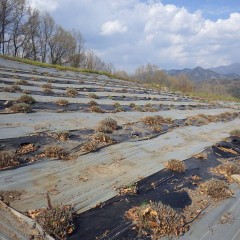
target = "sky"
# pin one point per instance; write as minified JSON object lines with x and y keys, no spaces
{"x":172,"y":34}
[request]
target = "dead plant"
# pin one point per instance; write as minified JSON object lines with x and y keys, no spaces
{"x":54,"y":151}
{"x":215,"y":188}
{"x":8,"y":159}
{"x":21,"y":108}
{"x":175,"y":165}
{"x":89,"y":146}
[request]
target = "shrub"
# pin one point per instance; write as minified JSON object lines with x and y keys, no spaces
{"x":54,"y":151}
{"x":72,"y":92}
{"x":92,"y":103}
{"x":158,"y":220}
{"x":56,"y":220}
{"x":89,"y":146}
{"x":116,"y":105}
{"x":93,"y":95}
{"x":175,"y":165}
{"x":109,"y":122}
{"x":96,"y":109}
{"x":21,"y":108}
{"x":7,"y":159}
{"x":26,"y":99}
{"x":62,"y":102}
{"x":215,"y":188}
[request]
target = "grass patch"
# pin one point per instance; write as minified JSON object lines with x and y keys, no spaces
{"x":175,"y":165}
{"x":22,"y":82}
{"x":227,"y":169}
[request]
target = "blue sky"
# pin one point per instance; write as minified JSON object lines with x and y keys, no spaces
{"x":172,"y":34}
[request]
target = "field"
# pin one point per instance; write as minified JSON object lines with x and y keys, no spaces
{"x":103,"y":145}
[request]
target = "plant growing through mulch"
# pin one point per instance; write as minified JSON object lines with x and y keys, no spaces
{"x":96,"y":109}
{"x":175,"y":165}
{"x":215,"y":188}
{"x":227,"y":169}
{"x":131,"y":189}
{"x":107,"y":125}
{"x":92,"y":103}
{"x":102,"y":138}
{"x":48,"y":90}
{"x":26,"y":148}
{"x":47,"y":85}
{"x":26,"y":99}
{"x":54,"y":151}
{"x":8,"y":159}
{"x":93,"y":95}
{"x":72,"y":92}
{"x":21,"y":108}
{"x":22,"y":82}
{"x":56,"y":220}
{"x":158,"y":220}
{"x":62,"y":102}
{"x":153,"y":120}
{"x":62,"y":135}
{"x":89,"y":146}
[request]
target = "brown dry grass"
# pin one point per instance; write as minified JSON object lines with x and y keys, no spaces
{"x":158,"y":220}
{"x":8,"y":159}
{"x":54,"y":151}
{"x":26,"y":99}
{"x":21,"y":108}
{"x":227,"y":169}
{"x":154,"y":120}
{"x":57,"y":220}
{"x":175,"y":165}
{"x":62,"y":102}
{"x":107,"y":125}
{"x":26,"y":148}
{"x":93,"y":95}
{"x":72,"y":92}
{"x":47,"y":85}
{"x":217,"y":189}
{"x":102,"y":138}
{"x":89,"y":146}
{"x":92,"y":103}
{"x":62,"y":136}
{"x":96,"y":109}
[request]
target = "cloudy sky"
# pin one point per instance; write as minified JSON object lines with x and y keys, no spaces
{"x":169,"y":33}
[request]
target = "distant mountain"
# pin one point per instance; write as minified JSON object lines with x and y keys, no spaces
{"x":200,"y":74}
{"x":232,"y":68}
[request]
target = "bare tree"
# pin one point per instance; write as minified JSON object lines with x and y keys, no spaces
{"x":47,"y":27}
{"x":62,"y":45}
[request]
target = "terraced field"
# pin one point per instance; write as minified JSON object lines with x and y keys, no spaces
{"x":82,"y":137}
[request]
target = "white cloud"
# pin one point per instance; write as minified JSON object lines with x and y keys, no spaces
{"x":45,"y":5}
{"x":129,"y":33}
{"x":112,"y":27}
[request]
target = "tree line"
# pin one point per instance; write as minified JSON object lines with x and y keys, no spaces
{"x":29,"y":33}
